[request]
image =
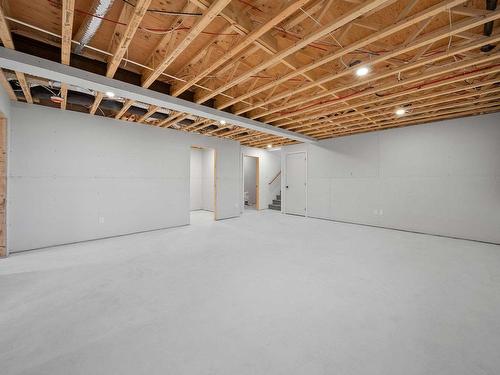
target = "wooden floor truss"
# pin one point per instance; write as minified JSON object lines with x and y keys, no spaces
{"x":291,"y":64}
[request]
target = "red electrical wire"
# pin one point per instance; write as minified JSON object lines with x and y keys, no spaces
{"x":407,"y":89}
{"x":150,"y":29}
{"x":251,"y":5}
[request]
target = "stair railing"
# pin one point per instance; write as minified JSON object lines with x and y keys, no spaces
{"x":275,"y":177}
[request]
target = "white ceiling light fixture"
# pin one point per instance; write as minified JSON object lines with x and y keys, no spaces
{"x":400,"y":112}
{"x":110,"y":94}
{"x":222,"y":122}
{"x":362,"y":71}
{"x":269,"y":146}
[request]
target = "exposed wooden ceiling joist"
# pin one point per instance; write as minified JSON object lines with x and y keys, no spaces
{"x":322,"y":31}
{"x":68,"y":12}
{"x":7,"y":41}
{"x":288,"y":63}
{"x":141,"y":6}
{"x":249,"y":39}
{"x":38,"y":67}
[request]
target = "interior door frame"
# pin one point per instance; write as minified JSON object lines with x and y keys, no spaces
{"x":214,"y":168}
{"x":284,"y":180}
{"x":4,"y":249}
{"x":257,"y":180}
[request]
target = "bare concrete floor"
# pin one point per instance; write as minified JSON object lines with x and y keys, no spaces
{"x":262,"y":294}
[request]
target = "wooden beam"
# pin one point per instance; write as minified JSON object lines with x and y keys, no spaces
{"x":407,"y":9}
{"x":249,"y":39}
{"x":425,"y":39}
{"x":470,"y":12}
{"x":43,"y":68}
{"x":456,"y":100}
{"x":7,"y":41}
{"x":303,"y":42}
{"x":195,"y":124}
{"x":465,"y":76}
{"x":168,"y":122}
{"x":166,"y":42}
{"x":151,"y":111}
{"x":141,"y":6}
{"x":204,"y":21}
{"x":242,"y":25}
{"x":7,"y":87}
{"x":3,"y":187}
{"x":149,"y":76}
{"x":458,"y":111}
{"x":312,"y":8}
{"x":68,"y":11}
{"x":415,"y":97}
{"x":128,"y":103}
{"x":321,"y":124}
{"x":434,"y":10}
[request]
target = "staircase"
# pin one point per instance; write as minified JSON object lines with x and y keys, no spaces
{"x":276,"y":203}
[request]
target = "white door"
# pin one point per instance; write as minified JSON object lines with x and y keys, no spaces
{"x":295,"y":184}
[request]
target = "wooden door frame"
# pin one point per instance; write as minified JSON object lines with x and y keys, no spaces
{"x":257,"y":179}
{"x":3,"y":187}
{"x":214,"y":168}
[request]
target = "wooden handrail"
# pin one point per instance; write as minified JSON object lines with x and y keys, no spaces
{"x":275,"y":177}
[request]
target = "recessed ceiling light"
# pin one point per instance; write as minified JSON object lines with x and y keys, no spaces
{"x":269,"y":146}
{"x":400,"y":111}
{"x":110,"y":94}
{"x":222,"y":122}
{"x":363,"y":71}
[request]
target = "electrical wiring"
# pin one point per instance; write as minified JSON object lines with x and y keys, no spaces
{"x":143,"y":28}
{"x":419,"y":86}
{"x":192,"y":14}
{"x":166,"y":12}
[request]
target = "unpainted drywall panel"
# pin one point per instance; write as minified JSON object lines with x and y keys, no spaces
{"x":355,"y":200}
{"x":466,"y":147}
{"x":77,"y":177}
{"x":318,"y":203}
{"x":441,"y":178}
{"x":347,"y":157}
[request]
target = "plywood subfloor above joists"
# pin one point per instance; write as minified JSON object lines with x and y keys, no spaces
{"x":289,"y":64}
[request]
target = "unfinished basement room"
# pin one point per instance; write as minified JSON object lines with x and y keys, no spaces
{"x":249,"y":187}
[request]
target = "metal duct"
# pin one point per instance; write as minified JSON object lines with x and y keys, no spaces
{"x":91,"y":24}
{"x":488,"y":27}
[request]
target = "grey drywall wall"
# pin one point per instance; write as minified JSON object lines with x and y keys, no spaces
{"x":441,"y":178}
{"x":269,"y":167}
{"x":76,"y":177}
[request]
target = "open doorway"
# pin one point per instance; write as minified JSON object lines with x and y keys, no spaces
{"x":250,"y":182}
{"x":202,"y":184}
